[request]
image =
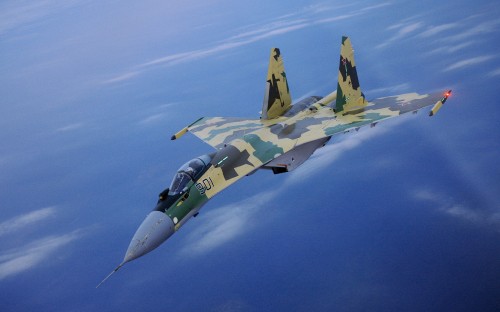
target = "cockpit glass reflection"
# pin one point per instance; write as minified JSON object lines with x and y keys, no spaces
{"x":186,"y":173}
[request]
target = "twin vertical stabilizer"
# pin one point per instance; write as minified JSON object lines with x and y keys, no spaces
{"x":277,"y":99}
{"x":349,"y":95}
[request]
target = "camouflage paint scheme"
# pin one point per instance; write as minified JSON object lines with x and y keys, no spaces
{"x":282,"y":139}
{"x":277,"y":99}
{"x":258,"y":141}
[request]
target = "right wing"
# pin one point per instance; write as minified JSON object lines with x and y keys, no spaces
{"x":217,"y":131}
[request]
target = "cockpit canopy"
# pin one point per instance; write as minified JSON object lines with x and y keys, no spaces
{"x":188,"y":172}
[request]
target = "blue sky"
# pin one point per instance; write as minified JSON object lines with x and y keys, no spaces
{"x":404,"y":216}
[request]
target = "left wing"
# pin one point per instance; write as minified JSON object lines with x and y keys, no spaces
{"x":384,"y":108}
{"x":352,"y":109}
{"x":217,"y":131}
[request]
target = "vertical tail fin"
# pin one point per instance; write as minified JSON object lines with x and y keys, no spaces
{"x":277,"y":98}
{"x":349,"y":95}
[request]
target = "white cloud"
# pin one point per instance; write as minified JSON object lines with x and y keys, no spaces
{"x":121,"y":77}
{"x":434,"y":30}
{"x":262,"y":29}
{"x":390,"y":90}
{"x":376,"y":6}
{"x":159,"y":114}
{"x":468,"y":62}
{"x":263,"y":32}
{"x":225,"y":224}
{"x":21,"y":13}
{"x":279,"y":26}
{"x":470,"y":172}
{"x":152,"y":119}
{"x":495,"y":72}
{"x":475,"y":216}
{"x":452,"y":47}
{"x":318,"y":8}
{"x":463,"y":212}
{"x":404,"y":29}
{"x":325,"y":156}
{"x":427,"y":195}
{"x":336,"y":18}
{"x":475,"y":31}
{"x":70,"y":127}
{"x":19,"y":222}
{"x":409,"y":28}
{"x":446,"y":204}
{"x":35,"y":252}
{"x":24,"y":258}
{"x":237,"y":41}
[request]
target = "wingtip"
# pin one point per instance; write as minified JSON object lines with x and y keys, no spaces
{"x":180,"y":133}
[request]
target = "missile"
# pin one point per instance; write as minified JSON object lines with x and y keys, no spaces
{"x":439,"y":103}
{"x":179,"y":134}
{"x":184,"y":130}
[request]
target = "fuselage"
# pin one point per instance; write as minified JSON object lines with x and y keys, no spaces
{"x":203,"y":177}
{"x":175,"y":206}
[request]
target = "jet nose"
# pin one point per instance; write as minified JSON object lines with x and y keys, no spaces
{"x":154,"y":230}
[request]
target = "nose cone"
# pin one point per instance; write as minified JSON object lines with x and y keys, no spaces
{"x":154,"y":230}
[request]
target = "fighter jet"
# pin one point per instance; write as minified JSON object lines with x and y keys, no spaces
{"x":283,"y":138}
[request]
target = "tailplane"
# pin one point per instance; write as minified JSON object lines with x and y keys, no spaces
{"x":277,"y":99}
{"x":349,"y":95}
